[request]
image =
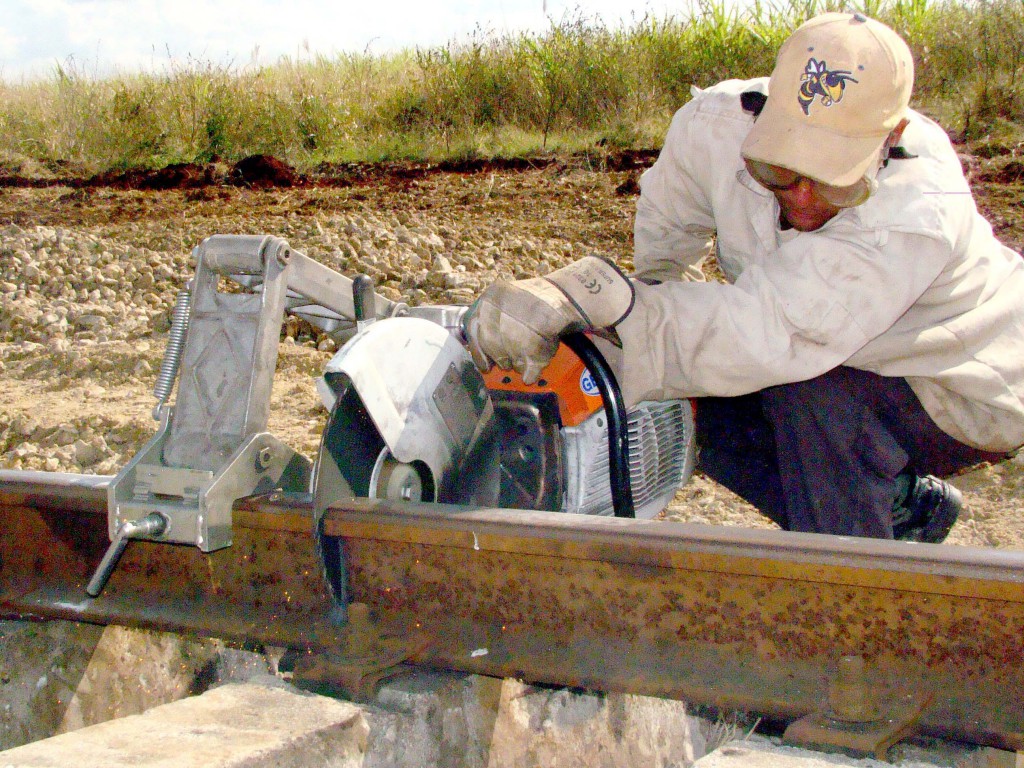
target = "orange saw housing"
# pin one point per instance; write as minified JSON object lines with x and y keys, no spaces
{"x":565,"y":376}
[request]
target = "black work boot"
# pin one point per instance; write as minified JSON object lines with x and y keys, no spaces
{"x":928,"y":511}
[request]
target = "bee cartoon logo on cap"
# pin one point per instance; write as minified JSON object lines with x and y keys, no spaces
{"x":818,"y":80}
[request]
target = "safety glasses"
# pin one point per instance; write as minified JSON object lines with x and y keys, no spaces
{"x":779,"y":179}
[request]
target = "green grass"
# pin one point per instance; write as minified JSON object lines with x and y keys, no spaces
{"x":579,"y":85}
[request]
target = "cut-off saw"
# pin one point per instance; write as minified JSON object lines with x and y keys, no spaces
{"x":411,"y":418}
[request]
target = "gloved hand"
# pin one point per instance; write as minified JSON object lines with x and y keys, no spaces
{"x":516,"y":325}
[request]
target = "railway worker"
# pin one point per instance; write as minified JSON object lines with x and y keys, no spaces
{"x":869,"y":335}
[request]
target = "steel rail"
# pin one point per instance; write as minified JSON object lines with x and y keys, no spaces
{"x":735,"y":618}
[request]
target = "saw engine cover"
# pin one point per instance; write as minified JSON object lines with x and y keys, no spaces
{"x":413,"y":419}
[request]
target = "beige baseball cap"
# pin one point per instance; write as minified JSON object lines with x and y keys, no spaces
{"x":841,"y":83}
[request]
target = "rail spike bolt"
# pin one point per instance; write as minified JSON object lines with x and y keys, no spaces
{"x":362,"y":634}
{"x":848,"y":697}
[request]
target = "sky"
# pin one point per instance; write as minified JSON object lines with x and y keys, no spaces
{"x":103,"y":37}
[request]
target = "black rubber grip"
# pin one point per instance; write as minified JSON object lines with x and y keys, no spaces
{"x":364,"y":304}
{"x":618,"y":421}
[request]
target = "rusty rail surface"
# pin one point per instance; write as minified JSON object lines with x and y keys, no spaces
{"x":736,"y":618}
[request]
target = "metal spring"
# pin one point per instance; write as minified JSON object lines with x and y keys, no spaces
{"x":172,"y":354}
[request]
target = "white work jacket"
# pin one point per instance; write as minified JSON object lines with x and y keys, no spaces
{"x":911,"y":283}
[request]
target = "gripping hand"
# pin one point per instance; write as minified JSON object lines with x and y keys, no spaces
{"x":516,"y":325}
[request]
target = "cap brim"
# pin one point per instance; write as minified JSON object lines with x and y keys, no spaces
{"x":812,"y":151}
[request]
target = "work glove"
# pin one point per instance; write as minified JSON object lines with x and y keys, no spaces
{"x":516,"y":325}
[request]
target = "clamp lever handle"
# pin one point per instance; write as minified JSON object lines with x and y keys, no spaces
{"x":152,"y":524}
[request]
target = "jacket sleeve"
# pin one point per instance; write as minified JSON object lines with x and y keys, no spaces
{"x":806,"y":310}
{"x":674,"y":227}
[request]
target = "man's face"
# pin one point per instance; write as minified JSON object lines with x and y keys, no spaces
{"x":803,"y":207}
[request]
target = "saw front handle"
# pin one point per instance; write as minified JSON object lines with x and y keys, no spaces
{"x":618,"y":421}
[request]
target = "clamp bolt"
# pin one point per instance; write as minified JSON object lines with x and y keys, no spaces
{"x":263,"y":458}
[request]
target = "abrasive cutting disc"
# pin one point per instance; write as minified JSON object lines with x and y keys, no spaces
{"x":411,"y":421}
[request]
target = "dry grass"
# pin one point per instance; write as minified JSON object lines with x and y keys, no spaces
{"x":581,"y":83}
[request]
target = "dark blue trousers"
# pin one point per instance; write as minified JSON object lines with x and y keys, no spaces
{"x":823,"y":455}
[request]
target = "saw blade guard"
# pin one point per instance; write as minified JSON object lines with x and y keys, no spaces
{"x":409,"y":419}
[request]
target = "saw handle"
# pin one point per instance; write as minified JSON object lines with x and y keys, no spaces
{"x":618,"y":421}
{"x":364,"y":300}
